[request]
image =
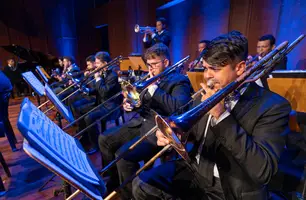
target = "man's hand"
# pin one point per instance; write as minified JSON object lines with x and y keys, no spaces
{"x":219,"y":109}
{"x":97,"y":76}
{"x":86,"y":73}
{"x":149,"y":31}
{"x":161,"y":139}
{"x":127,"y":106}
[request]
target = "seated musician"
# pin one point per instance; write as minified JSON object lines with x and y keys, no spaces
{"x":80,"y":103}
{"x":194,"y":64}
{"x":161,"y":35}
{"x":13,"y":72}
{"x":106,"y":85}
{"x":237,"y":144}
{"x":165,"y":98}
{"x":64,"y":81}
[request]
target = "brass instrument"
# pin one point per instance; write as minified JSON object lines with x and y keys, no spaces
{"x":133,"y":92}
{"x":176,"y":126}
{"x":83,"y":82}
{"x":142,"y":29}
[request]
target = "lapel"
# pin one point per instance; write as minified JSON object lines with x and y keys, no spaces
{"x":246,"y":101}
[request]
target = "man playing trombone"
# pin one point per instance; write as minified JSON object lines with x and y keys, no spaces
{"x":106,"y":85}
{"x":164,"y":97}
{"x":237,"y":145}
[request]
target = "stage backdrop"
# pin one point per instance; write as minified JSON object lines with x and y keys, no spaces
{"x":81,"y":28}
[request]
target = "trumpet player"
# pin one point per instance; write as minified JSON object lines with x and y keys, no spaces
{"x":237,"y":145}
{"x":160,"y":35}
{"x":164,"y":97}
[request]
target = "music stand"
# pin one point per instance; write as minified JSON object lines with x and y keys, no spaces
{"x":34,"y":83}
{"x":59,"y":152}
{"x":62,"y":109}
{"x":138,"y":63}
{"x":43,"y":74}
{"x":195,"y":79}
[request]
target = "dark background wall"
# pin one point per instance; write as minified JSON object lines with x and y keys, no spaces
{"x":80,"y":28}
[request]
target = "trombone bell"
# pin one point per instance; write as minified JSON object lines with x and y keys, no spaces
{"x":175,"y":142}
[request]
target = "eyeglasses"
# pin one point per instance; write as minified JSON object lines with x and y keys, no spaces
{"x":154,"y":65}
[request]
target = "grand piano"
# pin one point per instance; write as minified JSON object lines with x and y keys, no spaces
{"x":30,"y":58}
{"x":27,"y":60}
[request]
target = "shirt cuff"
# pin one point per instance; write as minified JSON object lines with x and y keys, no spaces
{"x":215,"y":121}
{"x":145,"y":39}
{"x":152,"y":89}
{"x":98,"y":79}
{"x":153,"y":35}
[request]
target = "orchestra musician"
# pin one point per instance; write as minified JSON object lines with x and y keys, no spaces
{"x":161,"y":35}
{"x":105,"y":86}
{"x":69,"y":66}
{"x":265,"y":44}
{"x":13,"y":72}
{"x":237,"y":145}
{"x":80,"y":103}
{"x":164,"y":98}
{"x":195,"y":64}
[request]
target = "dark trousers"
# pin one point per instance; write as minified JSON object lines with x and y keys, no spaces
{"x":175,"y":180}
{"x":109,"y":143}
{"x":5,"y":125}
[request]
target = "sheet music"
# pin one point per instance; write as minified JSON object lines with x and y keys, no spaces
{"x":67,"y":114}
{"x":42,"y":72}
{"x":40,"y":131}
{"x":34,"y":82}
{"x":46,"y":162}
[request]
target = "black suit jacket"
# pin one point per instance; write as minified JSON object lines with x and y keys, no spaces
{"x":246,"y":146}
{"x":106,"y":88}
{"x":162,"y":38}
{"x":173,"y":92}
{"x":14,"y":76}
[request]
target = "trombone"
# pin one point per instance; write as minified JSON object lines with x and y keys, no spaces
{"x":132,"y":91}
{"x":83,"y":82}
{"x":178,"y":125}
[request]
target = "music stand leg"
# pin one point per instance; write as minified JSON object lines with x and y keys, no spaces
{"x":66,"y":188}
{"x":50,"y":179}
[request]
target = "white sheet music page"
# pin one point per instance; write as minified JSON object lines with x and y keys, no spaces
{"x":34,"y":82}
{"x":44,"y":135}
{"x":59,"y":104}
{"x":46,"y":162}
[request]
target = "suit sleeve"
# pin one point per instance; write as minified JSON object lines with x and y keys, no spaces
{"x":178,"y":97}
{"x":259,"y":153}
{"x":104,"y":87}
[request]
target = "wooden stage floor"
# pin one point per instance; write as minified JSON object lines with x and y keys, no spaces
{"x":28,"y":175}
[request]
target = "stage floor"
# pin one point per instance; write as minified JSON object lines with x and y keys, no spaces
{"x":28,"y":175}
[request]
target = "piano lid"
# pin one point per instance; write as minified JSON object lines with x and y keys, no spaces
{"x":31,"y":56}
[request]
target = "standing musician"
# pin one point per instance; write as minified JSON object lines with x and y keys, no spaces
{"x":164,"y":97}
{"x":161,"y":35}
{"x":106,"y":85}
{"x":237,"y":144}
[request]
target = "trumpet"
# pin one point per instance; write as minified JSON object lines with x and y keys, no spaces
{"x":142,"y":29}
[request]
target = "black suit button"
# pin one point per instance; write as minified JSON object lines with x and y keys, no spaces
{"x":222,"y":139}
